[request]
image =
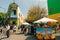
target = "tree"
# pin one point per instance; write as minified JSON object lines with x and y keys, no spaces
{"x":2,"y":16}
{"x":35,"y":13}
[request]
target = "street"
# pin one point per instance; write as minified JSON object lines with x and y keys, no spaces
{"x":21,"y":37}
{"x":18,"y":37}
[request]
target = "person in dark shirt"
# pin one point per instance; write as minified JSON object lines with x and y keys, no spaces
{"x":1,"y":29}
{"x":32,"y":30}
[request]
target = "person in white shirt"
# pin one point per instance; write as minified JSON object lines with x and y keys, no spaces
{"x":8,"y":31}
{"x":14,"y":29}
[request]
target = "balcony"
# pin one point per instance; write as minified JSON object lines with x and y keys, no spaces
{"x":12,"y":16}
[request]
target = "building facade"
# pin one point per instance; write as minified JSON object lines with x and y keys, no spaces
{"x":14,"y":15}
{"x":53,"y":6}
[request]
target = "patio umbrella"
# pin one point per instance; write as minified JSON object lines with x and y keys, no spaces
{"x":25,"y":23}
{"x":44,"y":20}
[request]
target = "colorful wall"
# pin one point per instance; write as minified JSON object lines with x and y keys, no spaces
{"x":53,"y":6}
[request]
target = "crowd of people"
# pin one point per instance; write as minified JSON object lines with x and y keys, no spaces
{"x":24,"y":28}
{"x":6,"y":29}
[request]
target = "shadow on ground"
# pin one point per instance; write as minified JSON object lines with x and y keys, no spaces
{"x":29,"y":38}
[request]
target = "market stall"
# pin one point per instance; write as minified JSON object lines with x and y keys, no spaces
{"x":26,"y":27}
{"x":45,"y":33}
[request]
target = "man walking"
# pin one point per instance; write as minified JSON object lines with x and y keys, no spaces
{"x":8,"y":31}
{"x":1,"y":29}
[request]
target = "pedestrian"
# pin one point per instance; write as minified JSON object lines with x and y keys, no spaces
{"x":14,"y":29}
{"x":32,"y":30}
{"x":22,"y":28}
{"x":25,"y":29}
{"x":8,"y":30}
{"x":1,"y":29}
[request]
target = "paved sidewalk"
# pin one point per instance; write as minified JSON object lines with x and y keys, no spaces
{"x":22,"y":37}
{"x":18,"y":37}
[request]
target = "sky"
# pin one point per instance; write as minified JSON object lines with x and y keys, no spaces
{"x":24,"y":5}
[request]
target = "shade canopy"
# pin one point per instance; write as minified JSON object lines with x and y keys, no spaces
{"x":25,"y":23}
{"x":45,"y":20}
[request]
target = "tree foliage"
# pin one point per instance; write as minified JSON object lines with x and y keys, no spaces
{"x":35,"y":13}
{"x":2,"y":16}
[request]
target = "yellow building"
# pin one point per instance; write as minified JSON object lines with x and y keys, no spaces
{"x":55,"y":16}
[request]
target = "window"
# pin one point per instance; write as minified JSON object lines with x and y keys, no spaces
{"x":14,"y":12}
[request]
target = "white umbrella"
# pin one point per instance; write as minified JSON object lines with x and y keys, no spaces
{"x":25,"y":23}
{"x":45,"y":20}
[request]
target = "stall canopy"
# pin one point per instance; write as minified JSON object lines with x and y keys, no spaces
{"x":25,"y":23}
{"x":45,"y":20}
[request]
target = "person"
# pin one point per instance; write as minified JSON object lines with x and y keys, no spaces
{"x":8,"y":30}
{"x":22,"y":28}
{"x":1,"y":27}
{"x":11,"y":27}
{"x":25,"y":30}
{"x":32,"y":29}
{"x":57,"y":25}
{"x":14,"y":29}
